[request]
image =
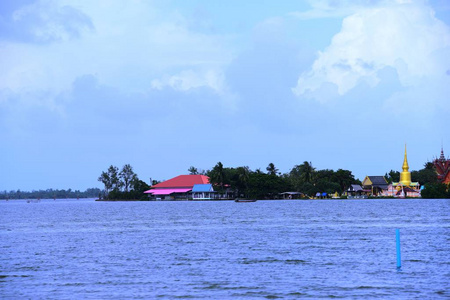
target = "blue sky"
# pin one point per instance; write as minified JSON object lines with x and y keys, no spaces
{"x":165,"y":85}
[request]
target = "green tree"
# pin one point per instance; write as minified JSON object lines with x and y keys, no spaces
{"x":265,"y":186}
{"x":113,"y":173}
{"x":193,"y":170}
{"x":243,"y":176}
{"x":344,"y":178}
{"x":138,"y":189}
{"x":429,"y":166}
{"x":294,"y":177}
{"x":217,"y":176}
{"x":106,"y":180}
{"x":424,"y":176}
{"x":307,"y":171}
{"x":110,"y":179}
{"x":436,"y":190}
{"x":258,"y":185}
{"x":271,"y":169}
{"x":325,"y":181}
{"x":392,"y":176}
{"x":127,"y":176}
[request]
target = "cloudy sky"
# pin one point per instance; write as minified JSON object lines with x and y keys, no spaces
{"x":165,"y":85}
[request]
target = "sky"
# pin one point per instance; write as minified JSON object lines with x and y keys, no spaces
{"x":168,"y":84}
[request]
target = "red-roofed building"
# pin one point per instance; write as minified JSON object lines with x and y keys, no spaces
{"x":442,"y":166}
{"x":177,"y":188}
{"x":182,"y":181}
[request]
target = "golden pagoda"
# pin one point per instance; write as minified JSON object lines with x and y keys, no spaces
{"x":405,"y":176}
{"x":405,"y":186}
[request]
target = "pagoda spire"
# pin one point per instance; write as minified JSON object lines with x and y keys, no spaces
{"x":405,"y":166}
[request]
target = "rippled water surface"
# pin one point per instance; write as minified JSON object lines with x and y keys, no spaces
{"x":72,"y":249}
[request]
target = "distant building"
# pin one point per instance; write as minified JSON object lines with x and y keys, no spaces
{"x":442,"y":166}
{"x":203,"y":192}
{"x":355,"y":191}
{"x":291,"y":195}
{"x":177,"y":188}
{"x":374,"y":185}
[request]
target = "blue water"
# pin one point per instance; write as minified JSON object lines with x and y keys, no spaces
{"x":72,"y":249}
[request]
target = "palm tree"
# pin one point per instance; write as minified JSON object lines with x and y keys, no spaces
{"x":243,"y":178}
{"x":193,"y":170}
{"x":271,"y":169}
{"x":307,"y":171}
{"x":216,"y":175}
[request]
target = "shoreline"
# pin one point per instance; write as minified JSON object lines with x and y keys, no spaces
{"x":217,"y":200}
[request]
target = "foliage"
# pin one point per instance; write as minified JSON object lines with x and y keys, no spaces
{"x":265,"y":186}
{"x":136,"y":192}
{"x":425,"y":176}
{"x":436,"y":190}
{"x":110,"y":179}
{"x":344,"y":178}
{"x":392,"y":176}
{"x":258,"y":185}
{"x":51,"y":194}
{"x":271,"y":169}
{"x":122,"y":185}
{"x":127,"y":176}
{"x":217,"y":176}
{"x":193,"y":170}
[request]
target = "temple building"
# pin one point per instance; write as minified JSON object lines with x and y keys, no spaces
{"x":442,"y":166}
{"x":374,"y":186}
{"x":406,"y":187}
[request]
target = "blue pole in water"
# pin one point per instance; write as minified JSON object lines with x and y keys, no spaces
{"x":399,"y":260}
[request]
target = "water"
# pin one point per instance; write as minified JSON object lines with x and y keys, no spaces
{"x":71,"y":249}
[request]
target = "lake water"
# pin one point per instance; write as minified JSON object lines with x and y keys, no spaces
{"x":82,"y":249}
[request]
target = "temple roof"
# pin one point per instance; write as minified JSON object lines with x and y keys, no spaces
{"x":376,"y":180}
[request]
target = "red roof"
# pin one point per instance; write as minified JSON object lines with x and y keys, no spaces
{"x":183,"y":181}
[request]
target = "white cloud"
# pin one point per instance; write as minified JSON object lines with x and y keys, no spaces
{"x":405,"y":36}
{"x":131,"y":43}
{"x":190,"y":79}
{"x":337,"y":9}
{"x":45,"y":22}
{"x":331,"y":9}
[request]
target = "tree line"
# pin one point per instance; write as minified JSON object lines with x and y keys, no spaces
{"x":258,"y":184}
{"x":51,"y":194}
